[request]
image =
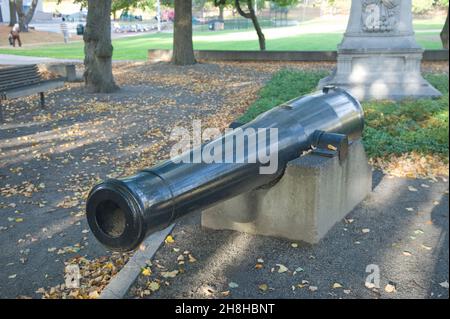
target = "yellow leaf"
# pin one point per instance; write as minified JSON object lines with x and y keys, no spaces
{"x":169,"y":239}
{"x":332,"y":147}
{"x":263,"y":287}
{"x":109,"y":266}
{"x":146,"y":272}
{"x":337,"y":285}
{"x":94,"y":294}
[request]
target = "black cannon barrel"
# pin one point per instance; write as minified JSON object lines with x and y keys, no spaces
{"x":123,"y":212}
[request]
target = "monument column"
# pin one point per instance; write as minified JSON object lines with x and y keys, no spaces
{"x":379,"y":57}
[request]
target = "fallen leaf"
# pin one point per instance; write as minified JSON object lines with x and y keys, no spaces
{"x":94,"y":294}
{"x":294,"y":245}
{"x":263,"y":287}
{"x":444,"y":284}
{"x":169,"y":274}
{"x":365,"y":230}
{"x":407,"y":253}
{"x":313,"y":288}
{"x":370,"y":285}
{"x":146,"y":272}
{"x":337,"y":285}
{"x":409,"y":209}
{"x":153,"y":286}
{"x":332,"y":147}
{"x":192,"y":259}
{"x":427,"y":247}
{"x":390,"y":287}
{"x":346,"y":291}
{"x":233,"y":285}
{"x":259,"y":266}
{"x":169,"y":239}
{"x":298,"y":269}
{"x":412,"y":188}
{"x":282,"y":268}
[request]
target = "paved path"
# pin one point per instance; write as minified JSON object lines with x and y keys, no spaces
{"x":10,"y":59}
{"x":408,"y":241}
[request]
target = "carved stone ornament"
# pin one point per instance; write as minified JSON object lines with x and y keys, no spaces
{"x":380,"y":15}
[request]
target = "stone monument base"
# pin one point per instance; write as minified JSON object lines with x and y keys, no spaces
{"x":373,"y":74}
{"x":314,"y":194}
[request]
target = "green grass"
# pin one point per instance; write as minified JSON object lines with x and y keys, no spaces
{"x":391,"y":127}
{"x":290,"y":38}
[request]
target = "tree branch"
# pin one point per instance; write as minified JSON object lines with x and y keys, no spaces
{"x":246,"y":15}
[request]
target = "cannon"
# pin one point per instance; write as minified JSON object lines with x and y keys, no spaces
{"x":123,"y":212}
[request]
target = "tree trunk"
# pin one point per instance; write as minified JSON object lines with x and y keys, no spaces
{"x":251,"y":15}
{"x":183,"y":48}
{"x":25,"y":18}
{"x":221,"y":9}
{"x":444,"y":34}
{"x":98,"y":49}
{"x":12,"y":13}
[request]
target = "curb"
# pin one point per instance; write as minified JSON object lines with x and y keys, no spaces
{"x":121,"y":283}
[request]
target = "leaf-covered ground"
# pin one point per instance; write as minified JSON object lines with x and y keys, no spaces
{"x":49,"y":160}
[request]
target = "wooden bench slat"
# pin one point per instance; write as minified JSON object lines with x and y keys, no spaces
{"x":20,"y":79}
{"x":4,"y":78}
{"x":17,"y":82}
{"x":37,"y":88}
{"x":19,"y":68}
{"x":7,"y":73}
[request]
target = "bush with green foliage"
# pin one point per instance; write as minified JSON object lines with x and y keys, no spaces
{"x":391,"y":127}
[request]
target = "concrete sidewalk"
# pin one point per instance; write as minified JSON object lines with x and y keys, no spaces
{"x":10,"y":59}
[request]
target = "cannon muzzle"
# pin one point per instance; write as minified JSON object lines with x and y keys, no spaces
{"x":123,"y":212}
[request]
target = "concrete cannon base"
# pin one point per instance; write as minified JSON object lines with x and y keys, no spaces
{"x":314,"y":194}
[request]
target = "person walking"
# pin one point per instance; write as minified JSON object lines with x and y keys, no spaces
{"x":15,"y":35}
{"x":65,"y":30}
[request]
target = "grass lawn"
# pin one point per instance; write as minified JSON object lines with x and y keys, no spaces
{"x":392,"y":128}
{"x":303,"y":37}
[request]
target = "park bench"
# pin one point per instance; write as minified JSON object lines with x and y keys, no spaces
{"x":21,"y":81}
